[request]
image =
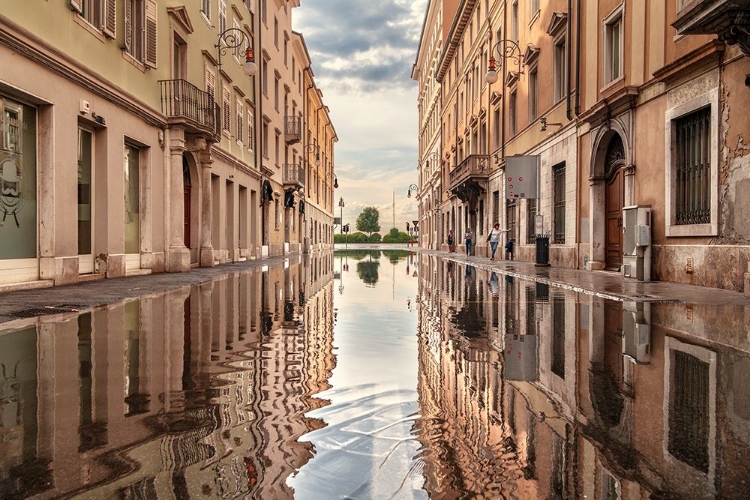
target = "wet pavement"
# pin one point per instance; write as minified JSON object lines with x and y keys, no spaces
{"x":604,"y":283}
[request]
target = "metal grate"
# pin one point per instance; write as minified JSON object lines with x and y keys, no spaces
{"x":558,"y":173}
{"x":45,"y":311}
{"x":693,"y":193}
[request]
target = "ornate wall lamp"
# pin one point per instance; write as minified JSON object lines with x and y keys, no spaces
{"x":331,"y":175}
{"x":509,"y":49}
{"x":412,"y":187}
{"x":314,"y":148}
{"x":232,"y":38}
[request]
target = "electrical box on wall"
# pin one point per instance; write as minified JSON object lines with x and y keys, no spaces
{"x":85,"y":107}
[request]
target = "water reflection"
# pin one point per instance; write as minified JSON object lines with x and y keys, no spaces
{"x":197,"y":392}
{"x":429,"y":378}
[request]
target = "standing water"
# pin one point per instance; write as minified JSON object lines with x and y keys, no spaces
{"x":375,"y":374}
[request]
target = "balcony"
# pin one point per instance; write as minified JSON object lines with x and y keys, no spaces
{"x":729,"y":19}
{"x":468,"y":180}
{"x":294,"y":175}
{"x":292,"y":129}
{"x":186,"y":105}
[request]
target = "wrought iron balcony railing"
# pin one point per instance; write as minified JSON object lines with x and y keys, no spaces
{"x":292,"y":129}
{"x":294,"y":175}
{"x":182,"y":102}
{"x":475,"y":167}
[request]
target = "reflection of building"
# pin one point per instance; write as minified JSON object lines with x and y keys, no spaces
{"x":199,"y":389}
{"x":133,"y":142}
{"x":622,"y":397}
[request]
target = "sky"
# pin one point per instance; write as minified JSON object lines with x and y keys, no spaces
{"x":362,"y":54}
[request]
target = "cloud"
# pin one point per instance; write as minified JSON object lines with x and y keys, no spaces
{"x":362,"y":54}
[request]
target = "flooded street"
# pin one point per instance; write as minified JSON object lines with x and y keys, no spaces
{"x":376,"y":374}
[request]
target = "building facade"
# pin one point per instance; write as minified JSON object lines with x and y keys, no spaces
{"x":149,"y":103}
{"x":626,"y":110}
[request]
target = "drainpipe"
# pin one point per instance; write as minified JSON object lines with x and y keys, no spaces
{"x":259,"y":137}
{"x":569,"y":56}
{"x":578,"y":57}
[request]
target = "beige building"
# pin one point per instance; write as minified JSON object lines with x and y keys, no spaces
{"x":601,"y":95}
{"x":151,"y":103}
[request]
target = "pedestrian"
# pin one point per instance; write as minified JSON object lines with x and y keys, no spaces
{"x":467,"y":240}
{"x":494,"y":238}
{"x":450,"y":240}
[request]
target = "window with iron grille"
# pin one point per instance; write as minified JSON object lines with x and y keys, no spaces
{"x":530,"y":311}
{"x":495,"y":206}
{"x":693,"y":168}
{"x":558,"y":178}
{"x":689,"y":424}
{"x":511,"y":308}
{"x":531,"y":211}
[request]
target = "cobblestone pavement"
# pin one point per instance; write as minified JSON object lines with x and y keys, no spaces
{"x":101,"y":292}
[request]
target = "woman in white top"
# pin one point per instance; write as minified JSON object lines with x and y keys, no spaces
{"x":494,"y":238}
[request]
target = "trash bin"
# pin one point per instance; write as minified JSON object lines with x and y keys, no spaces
{"x":542,"y":250}
{"x":509,"y":248}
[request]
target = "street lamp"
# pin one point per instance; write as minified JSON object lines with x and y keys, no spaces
{"x":316,"y":149}
{"x":412,"y":187}
{"x":331,"y":175}
{"x":510,"y":47}
{"x":232,"y":38}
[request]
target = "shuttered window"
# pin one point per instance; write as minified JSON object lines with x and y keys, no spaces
{"x":250,"y":130}
{"x":240,"y":115}
{"x":140,"y":30}
{"x":226,"y":107}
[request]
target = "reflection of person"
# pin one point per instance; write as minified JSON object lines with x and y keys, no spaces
{"x":450,"y":240}
{"x":494,"y":284}
{"x":494,"y":238}
{"x":467,"y":240}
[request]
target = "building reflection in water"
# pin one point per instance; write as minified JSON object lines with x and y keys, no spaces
{"x":533,"y":391}
{"x":197,"y":392}
{"x":526,"y":390}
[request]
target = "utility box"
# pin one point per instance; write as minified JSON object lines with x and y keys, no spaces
{"x":636,"y":242}
{"x":636,"y":328}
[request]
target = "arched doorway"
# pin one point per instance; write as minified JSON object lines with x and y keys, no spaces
{"x":191,"y":190}
{"x":614,"y":196}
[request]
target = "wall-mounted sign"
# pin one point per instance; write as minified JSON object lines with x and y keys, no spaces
{"x":522,"y":176}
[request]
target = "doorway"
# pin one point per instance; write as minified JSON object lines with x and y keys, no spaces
{"x":614,"y":202}
{"x":187,"y":192}
{"x":85,"y":201}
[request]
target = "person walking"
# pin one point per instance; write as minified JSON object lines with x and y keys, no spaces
{"x":494,"y":238}
{"x":450,"y":240}
{"x":467,"y":240}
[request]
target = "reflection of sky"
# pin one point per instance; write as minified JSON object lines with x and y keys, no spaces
{"x":367,"y":443}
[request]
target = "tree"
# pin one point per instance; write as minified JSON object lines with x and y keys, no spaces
{"x":368,"y":220}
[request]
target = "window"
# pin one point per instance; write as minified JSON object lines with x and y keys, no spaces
{"x":533,"y":7}
{"x":18,"y":180}
{"x":264,"y":138}
{"x":131,"y":172}
{"x":210,"y":83}
{"x":276,"y":81}
{"x":533,"y":94}
{"x":140,"y":31}
{"x":264,"y":81}
{"x":101,"y":14}
{"x":531,"y":211}
{"x":264,"y":11}
{"x":250,"y":129}
{"x":226,"y":100}
{"x":560,"y":69}
{"x":692,"y":188}
{"x":514,"y":21}
{"x":206,"y":8}
{"x":276,"y":32}
{"x":691,"y":179}
{"x":558,"y":179}
{"x":510,"y":218}
{"x":613,"y":47}
{"x":240,"y":116}
{"x":222,"y":16}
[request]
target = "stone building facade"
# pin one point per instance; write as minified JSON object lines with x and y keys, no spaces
{"x":628,"y":109}
{"x":134,"y":142}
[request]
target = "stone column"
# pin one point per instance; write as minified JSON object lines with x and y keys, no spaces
{"x":206,"y":218}
{"x":597,"y":226}
{"x":178,"y":257}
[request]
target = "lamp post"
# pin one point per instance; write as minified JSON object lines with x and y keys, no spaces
{"x":341,"y":218}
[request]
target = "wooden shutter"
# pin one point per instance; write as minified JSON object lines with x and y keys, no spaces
{"x":127,"y":38}
{"x":109,"y":23}
{"x":76,"y":6}
{"x":150,"y":52}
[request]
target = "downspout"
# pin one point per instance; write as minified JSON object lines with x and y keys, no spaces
{"x":578,"y":57}
{"x":502,"y":84}
{"x":569,"y":55}
{"x":305,"y":152}
{"x":259,"y":141}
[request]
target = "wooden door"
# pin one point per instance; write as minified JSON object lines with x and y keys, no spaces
{"x":614,"y":198}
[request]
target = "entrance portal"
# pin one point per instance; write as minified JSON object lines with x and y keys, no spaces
{"x":614,"y":201}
